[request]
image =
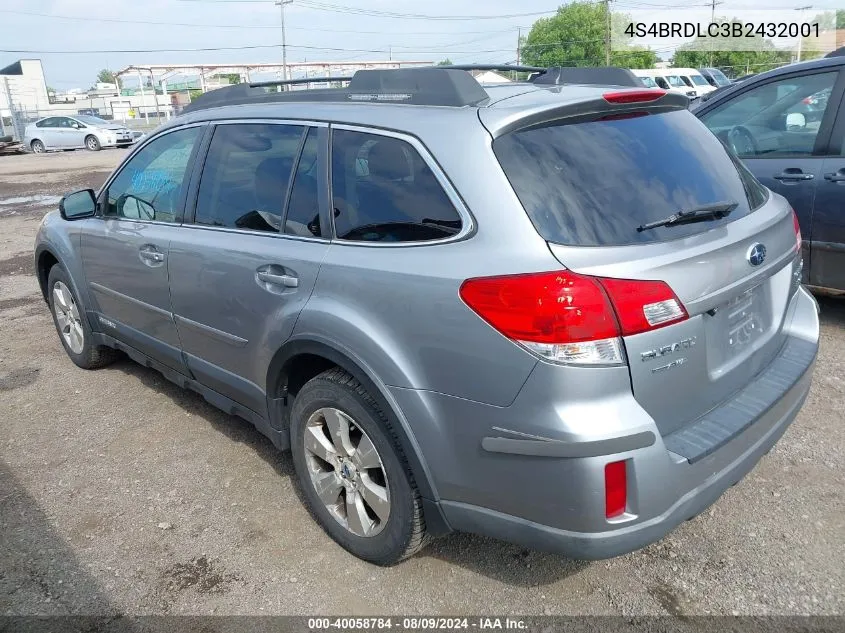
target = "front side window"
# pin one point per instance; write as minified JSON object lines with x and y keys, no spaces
{"x":303,"y":215}
{"x":662,"y":83}
{"x":245,"y":179}
{"x":383,"y":191}
{"x":698,"y":80}
{"x":150,"y":185}
{"x":778,"y":118}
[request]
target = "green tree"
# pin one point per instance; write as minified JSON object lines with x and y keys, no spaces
{"x":577,"y":36}
{"x":107,"y":76}
{"x":445,"y":62}
{"x":233,"y":78}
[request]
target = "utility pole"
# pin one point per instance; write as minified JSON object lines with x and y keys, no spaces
{"x":282,"y":4}
{"x":800,"y":39}
{"x":607,"y":33}
{"x":143,"y":96}
{"x":713,"y":5}
{"x":514,"y":74}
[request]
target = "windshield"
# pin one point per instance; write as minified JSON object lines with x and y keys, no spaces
{"x":675,"y":81}
{"x":594,"y":183}
{"x":649,"y":82}
{"x":90,"y":120}
{"x":719,"y":77}
{"x":698,"y":80}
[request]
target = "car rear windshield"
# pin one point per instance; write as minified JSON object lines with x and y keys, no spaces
{"x":594,"y":183}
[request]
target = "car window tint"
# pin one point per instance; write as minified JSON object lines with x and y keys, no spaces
{"x":778,"y":118}
{"x":383,"y":191}
{"x":303,"y":216}
{"x":149,"y":186}
{"x":246,"y":174}
{"x":593,"y":183}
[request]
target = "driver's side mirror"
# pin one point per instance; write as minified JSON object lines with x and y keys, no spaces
{"x":78,"y":205}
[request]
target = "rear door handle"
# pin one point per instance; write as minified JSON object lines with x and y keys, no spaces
{"x":837,"y":177}
{"x":792,"y":176}
{"x":277,"y":278}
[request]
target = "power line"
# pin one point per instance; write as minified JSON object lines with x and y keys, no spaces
{"x":90,"y":19}
{"x":338,"y":8}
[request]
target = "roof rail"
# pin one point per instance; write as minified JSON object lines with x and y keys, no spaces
{"x":591,"y":75}
{"x":297,"y":82}
{"x":519,"y":69}
{"x":434,"y":85}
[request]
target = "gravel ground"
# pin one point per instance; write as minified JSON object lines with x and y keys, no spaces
{"x":121,"y":493}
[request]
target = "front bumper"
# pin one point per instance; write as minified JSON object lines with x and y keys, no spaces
{"x":553,"y":498}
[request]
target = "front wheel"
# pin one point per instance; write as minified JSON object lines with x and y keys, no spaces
{"x":354,"y":477}
{"x":71,"y":324}
{"x":92,"y":143}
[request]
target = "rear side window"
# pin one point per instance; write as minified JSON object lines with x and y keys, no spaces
{"x":383,"y":191}
{"x":593,"y":183}
{"x":245,"y":179}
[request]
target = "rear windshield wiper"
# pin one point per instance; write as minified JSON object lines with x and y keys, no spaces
{"x":700,"y":214}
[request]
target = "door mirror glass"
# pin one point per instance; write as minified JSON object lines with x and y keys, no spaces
{"x":78,"y":205}
{"x":795,"y":122}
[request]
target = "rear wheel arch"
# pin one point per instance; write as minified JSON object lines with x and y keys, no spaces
{"x":300,"y":360}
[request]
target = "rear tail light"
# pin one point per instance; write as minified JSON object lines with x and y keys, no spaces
{"x":633,"y":96}
{"x":615,"y":489}
{"x":643,"y":305}
{"x":570,"y":318}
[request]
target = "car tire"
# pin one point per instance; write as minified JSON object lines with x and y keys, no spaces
{"x":37,"y":147}
{"x":72,"y":325}
{"x":92,"y":143}
{"x":381,"y":473}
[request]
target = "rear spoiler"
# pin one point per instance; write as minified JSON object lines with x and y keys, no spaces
{"x":612,"y":101}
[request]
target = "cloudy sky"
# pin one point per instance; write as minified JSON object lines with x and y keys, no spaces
{"x":76,"y":38}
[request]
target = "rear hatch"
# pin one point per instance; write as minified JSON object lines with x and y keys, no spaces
{"x":593,"y":184}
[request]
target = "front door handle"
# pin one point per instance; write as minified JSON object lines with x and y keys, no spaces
{"x":792,"y":175}
{"x":837,"y":177}
{"x":150,"y":254}
{"x":277,"y":278}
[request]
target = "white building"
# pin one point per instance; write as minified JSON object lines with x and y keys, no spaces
{"x":22,"y":84}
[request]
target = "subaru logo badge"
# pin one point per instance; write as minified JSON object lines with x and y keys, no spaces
{"x":757,"y":254}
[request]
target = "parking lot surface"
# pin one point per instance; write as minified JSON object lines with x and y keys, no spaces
{"x":121,"y":493}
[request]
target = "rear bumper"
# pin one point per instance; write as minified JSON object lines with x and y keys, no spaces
{"x":614,"y":542}
{"x":549,"y":494}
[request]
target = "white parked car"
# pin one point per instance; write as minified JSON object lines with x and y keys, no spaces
{"x":75,"y":132}
{"x":667,"y":79}
{"x":694,"y":79}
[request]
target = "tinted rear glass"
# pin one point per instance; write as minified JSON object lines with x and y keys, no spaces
{"x":593,"y":183}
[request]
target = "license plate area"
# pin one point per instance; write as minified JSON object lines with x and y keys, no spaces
{"x":737,"y":328}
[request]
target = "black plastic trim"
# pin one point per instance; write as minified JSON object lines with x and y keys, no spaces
{"x":718,"y":427}
{"x":558,"y":448}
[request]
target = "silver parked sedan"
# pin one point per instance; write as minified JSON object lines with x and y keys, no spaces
{"x":75,"y":132}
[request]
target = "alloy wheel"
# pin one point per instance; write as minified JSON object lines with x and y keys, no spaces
{"x":67,"y":317}
{"x":347,"y":472}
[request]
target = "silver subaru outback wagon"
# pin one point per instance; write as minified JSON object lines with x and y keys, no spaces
{"x":513,"y":310}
